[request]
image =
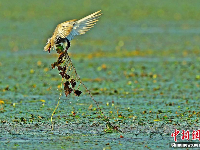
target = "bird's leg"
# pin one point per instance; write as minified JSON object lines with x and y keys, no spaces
{"x":49,"y":48}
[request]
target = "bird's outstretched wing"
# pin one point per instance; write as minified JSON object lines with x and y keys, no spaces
{"x":83,"y":25}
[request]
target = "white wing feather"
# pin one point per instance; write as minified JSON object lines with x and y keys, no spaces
{"x":83,"y":25}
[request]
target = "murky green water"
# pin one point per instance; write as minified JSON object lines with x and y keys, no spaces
{"x":140,"y":62}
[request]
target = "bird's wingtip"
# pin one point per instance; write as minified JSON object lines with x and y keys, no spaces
{"x":98,"y":11}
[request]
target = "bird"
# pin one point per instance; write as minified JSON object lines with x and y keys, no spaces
{"x":65,"y":32}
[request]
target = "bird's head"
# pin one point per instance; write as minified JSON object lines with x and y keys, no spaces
{"x":48,"y":45}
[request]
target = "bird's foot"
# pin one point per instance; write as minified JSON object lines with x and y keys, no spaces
{"x":49,"y":49}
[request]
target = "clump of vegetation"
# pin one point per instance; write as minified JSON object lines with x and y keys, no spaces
{"x":71,"y":83}
{"x":64,"y":66}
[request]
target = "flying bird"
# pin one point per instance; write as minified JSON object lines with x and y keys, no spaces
{"x":66,"y":31}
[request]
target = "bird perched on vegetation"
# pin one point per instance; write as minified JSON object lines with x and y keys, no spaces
{"x":66,"y":31}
